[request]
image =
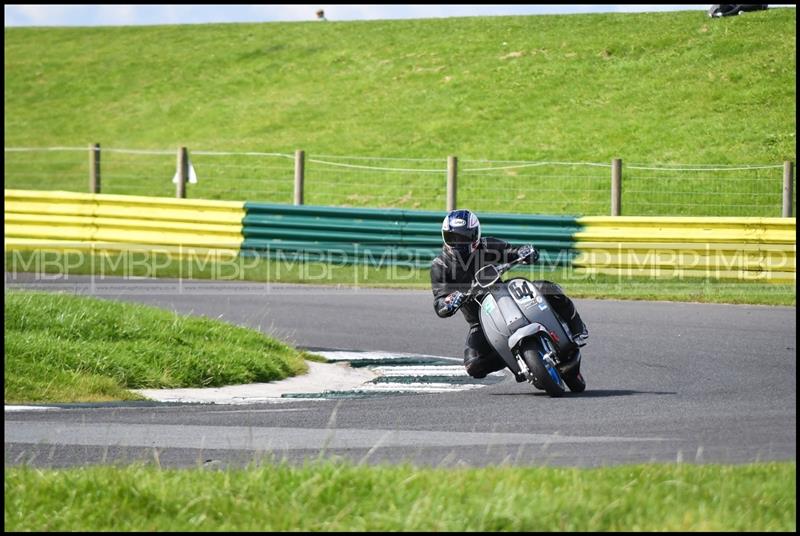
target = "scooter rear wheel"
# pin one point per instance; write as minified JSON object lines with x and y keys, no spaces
{"x":575,"y":381}
{"x":572,"y":375}
{"x":533,"y":352}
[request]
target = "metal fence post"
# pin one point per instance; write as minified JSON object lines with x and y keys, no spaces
{"x":788,"y":174}
{"x":94,"y":168}
{"x":183,"y":173}
{"x":452,"y":182}
{"x":616,"y":186}
{"x":299,"y":175}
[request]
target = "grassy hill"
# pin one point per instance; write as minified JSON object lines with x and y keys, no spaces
{"x":654,"y":87}
{"x":646,"y":87}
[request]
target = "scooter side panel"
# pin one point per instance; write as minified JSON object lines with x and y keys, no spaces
{"x":496,"y":330}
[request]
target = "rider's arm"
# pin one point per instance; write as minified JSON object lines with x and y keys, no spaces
{"x":511,"y":253}
{"x":448,"y":305}
{"x":441,"y":290}
{"x":501,"y":251}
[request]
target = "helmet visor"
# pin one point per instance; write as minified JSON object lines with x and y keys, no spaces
{"x":452,"y":238}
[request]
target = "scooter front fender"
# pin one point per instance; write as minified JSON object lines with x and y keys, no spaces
{"x":521,"y":333}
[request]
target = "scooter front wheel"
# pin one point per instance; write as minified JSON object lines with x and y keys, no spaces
{"x":536,"y":354}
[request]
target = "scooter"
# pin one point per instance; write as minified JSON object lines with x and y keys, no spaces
{"x":523,"y":328}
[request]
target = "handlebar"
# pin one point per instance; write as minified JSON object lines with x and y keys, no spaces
{"x":500,"y":268}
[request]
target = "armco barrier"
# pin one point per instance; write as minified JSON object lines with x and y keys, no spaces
{"x":53,"y":220}
{"x":717,"y":248}
{"x":404,"y":237}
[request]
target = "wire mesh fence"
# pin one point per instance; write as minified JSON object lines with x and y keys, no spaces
{"x":574,"y":188}
{"x":376,"y":182}
{"x":134,"y":172}
{"x":54,"y":168}
{"x":535,"y":187}
{"x":251,"y":176}
{"x":703,"y":190}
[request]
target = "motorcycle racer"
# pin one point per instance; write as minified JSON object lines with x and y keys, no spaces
{"x":464,"y":252}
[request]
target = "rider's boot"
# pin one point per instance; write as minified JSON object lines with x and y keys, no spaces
{"x":580,"y":333}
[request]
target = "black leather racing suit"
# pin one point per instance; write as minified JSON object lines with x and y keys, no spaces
{"x":450,"y":273}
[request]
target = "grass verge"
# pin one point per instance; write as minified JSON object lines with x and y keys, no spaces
{"x":663,"y":287}
{"x":331,"y":496}
{"x":66,"y":348}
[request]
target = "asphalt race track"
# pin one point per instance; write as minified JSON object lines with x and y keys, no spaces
{"x":667,"y":382}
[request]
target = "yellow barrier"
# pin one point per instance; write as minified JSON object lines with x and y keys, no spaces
{"x":719,"y":248}
{"x":101,"y":222}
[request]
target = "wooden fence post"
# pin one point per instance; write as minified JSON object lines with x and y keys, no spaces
{"x":788,"y":174}
{"x":616,"y":186}
{"x":452,"y":182}
{"x":94,"y":168}
{"x":183,"y":173}
{"x":299,"y":175}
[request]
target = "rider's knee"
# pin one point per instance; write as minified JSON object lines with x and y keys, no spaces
{"x":473,"y":363}
{"x":475,"y":368}
{"x":478,"y":366}
{"x":548,"y":287}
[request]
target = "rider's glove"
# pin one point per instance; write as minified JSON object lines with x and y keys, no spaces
{"x":528,"y":251}
{"x":453,"y":301}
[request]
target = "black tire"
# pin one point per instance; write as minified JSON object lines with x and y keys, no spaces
{"x":532,"y":351}
{"x":573,"y":378}
{"x":575,"y":381}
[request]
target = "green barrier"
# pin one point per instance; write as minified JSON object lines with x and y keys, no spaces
{"x":387,"y":237}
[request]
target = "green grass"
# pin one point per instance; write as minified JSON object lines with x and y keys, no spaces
{"x":238,"y":269}
{"x":649,"y":88}
{"x":66,"y":348}
{"x":344,"y":497}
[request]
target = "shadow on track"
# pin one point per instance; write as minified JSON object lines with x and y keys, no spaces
{"x":597,"y":393}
